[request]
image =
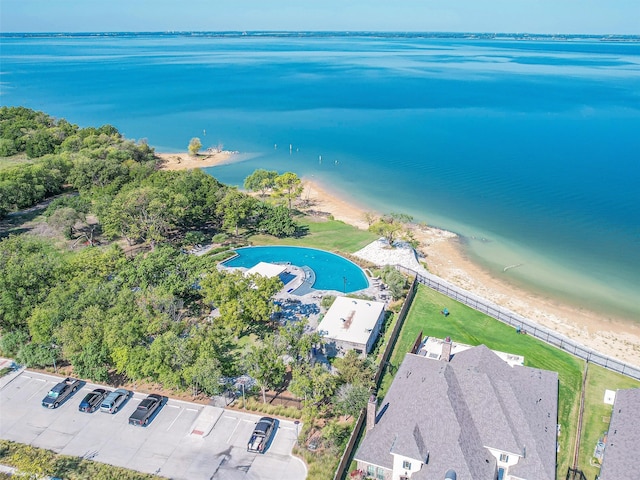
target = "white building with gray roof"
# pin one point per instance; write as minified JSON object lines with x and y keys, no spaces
{"x":468,"y":416}
{"x":351,"y":324}
{"x":622,"y":450}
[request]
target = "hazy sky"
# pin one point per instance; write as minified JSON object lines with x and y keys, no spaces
{"x":534,"y":16}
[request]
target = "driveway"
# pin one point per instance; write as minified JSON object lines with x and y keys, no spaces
{"x":167,"y":446}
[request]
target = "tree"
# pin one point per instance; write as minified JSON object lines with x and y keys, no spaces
{"x":288,"y":186}
{"x":313,"y":384}
{"x":29,"y":267}
{"x":261,"y":181}
{"x":142,"y":214}
{"x":241,"y":301}
{"x":394,"y":280}
{"x":351,"y":399}
{"x":391,"y":226}
{"x":275,"y":220}
{"x":353,"y":369}
{"x":297,"y":341}
{"x":370,"y":218}
{"x":266,"y":365}
{"x":194,"y":146}
{"x":234,"y":208}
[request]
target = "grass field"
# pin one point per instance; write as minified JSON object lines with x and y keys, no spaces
{"x":597,"y":414}
{"x":6,"y":162}
{"x":330,"y":235}
{"x":465,"y":325}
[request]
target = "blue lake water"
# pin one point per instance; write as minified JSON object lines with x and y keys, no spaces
{"x":332,"y":271}
{"x":529,"y":149}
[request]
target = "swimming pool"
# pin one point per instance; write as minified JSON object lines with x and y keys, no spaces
{"x":333,"y":272}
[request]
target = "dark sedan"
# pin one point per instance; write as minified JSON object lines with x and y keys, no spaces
{"x":91,"y":402}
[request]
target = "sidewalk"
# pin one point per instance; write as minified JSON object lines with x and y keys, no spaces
{"x":8,"y":378}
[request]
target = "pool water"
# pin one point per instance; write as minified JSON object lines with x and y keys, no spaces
{"x":333,"y":272}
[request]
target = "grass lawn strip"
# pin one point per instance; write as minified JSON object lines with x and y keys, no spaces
{"x":330,"y":235}
{"x":597,"y":414}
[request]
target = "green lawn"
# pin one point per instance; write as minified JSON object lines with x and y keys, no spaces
{"x":6,"y":162}
{"x":331,"y":235}
{"x":465,"y":325}
{"x":597,"y":414}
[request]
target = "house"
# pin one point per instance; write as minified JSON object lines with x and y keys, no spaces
{"x":468,"y":416}
{"x":622,"y":449}
{"x":351,"y":324}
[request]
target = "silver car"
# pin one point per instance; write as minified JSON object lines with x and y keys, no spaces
{"x":114,"y":400}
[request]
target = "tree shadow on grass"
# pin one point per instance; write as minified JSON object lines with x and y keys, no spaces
{"x":18,"y":223}
{"x":301,"y":231}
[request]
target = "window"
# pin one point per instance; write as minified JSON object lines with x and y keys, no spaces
{"x":371,"y":470}
{"x":406,"y":465}
{"x":504,"y":457}
{"x":380,"y":473}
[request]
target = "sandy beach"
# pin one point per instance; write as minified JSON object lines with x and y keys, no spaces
{"x":185,"y":161}
{"x":444,"y":256}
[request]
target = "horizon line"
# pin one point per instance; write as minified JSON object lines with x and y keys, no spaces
{"x":320,"y":32}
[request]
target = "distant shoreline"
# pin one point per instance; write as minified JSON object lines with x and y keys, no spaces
{"x":499,"y":36}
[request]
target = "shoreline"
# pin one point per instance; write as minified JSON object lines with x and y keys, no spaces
{"x":444,"y":254}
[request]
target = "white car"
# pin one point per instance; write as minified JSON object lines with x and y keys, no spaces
{"x":114,"y":400}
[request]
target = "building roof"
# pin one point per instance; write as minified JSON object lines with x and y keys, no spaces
{"x":350,"y":320}
{"x":454,"y":411}
{"x":266,"y":269}
{"x":622,"y":449}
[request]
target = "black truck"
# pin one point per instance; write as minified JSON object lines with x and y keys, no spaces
{"x":146,"y":409}
{"x":60,"y":392}
{"x":261,"y":435}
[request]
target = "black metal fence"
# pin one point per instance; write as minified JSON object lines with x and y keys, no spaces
{"x":518,"y":321}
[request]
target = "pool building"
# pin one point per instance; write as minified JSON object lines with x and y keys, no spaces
{"x":351,"y":324}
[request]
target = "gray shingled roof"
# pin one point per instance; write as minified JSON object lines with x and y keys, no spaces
{"x":622,"y":450}
{"x":454,"y":410}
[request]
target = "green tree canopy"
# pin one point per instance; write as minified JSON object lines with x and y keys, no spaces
{"x":261,"y":181}
{"x":288,"y":186}
{"x":194,"y":146}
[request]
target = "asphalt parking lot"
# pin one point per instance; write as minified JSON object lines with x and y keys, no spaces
{"x":165,"y":447}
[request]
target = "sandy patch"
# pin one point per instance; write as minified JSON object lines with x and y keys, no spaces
{"x":444,"y":256}
{"x":185,"y":161}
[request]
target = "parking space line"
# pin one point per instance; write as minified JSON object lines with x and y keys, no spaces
{"x":234,"y":431}
{"x":237,"y":425}
{"x":174,"y":420}
{"x":34,"y":394}
{"x":192,"y":409}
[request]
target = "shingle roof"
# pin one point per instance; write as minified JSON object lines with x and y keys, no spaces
{"x":455,"y":410}
{"x":622,"y":449}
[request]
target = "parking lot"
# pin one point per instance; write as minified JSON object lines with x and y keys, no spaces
{"x":166,"y":446}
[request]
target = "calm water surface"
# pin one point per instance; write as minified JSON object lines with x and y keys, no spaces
{"x":530,"y":150}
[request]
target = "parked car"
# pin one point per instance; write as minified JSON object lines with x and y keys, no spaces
{"x":60,"y":392}
{"x":92,"y":400}
{"x":261,"y":435}
{"x":114,"y":400}
{"x":146,"y":409}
